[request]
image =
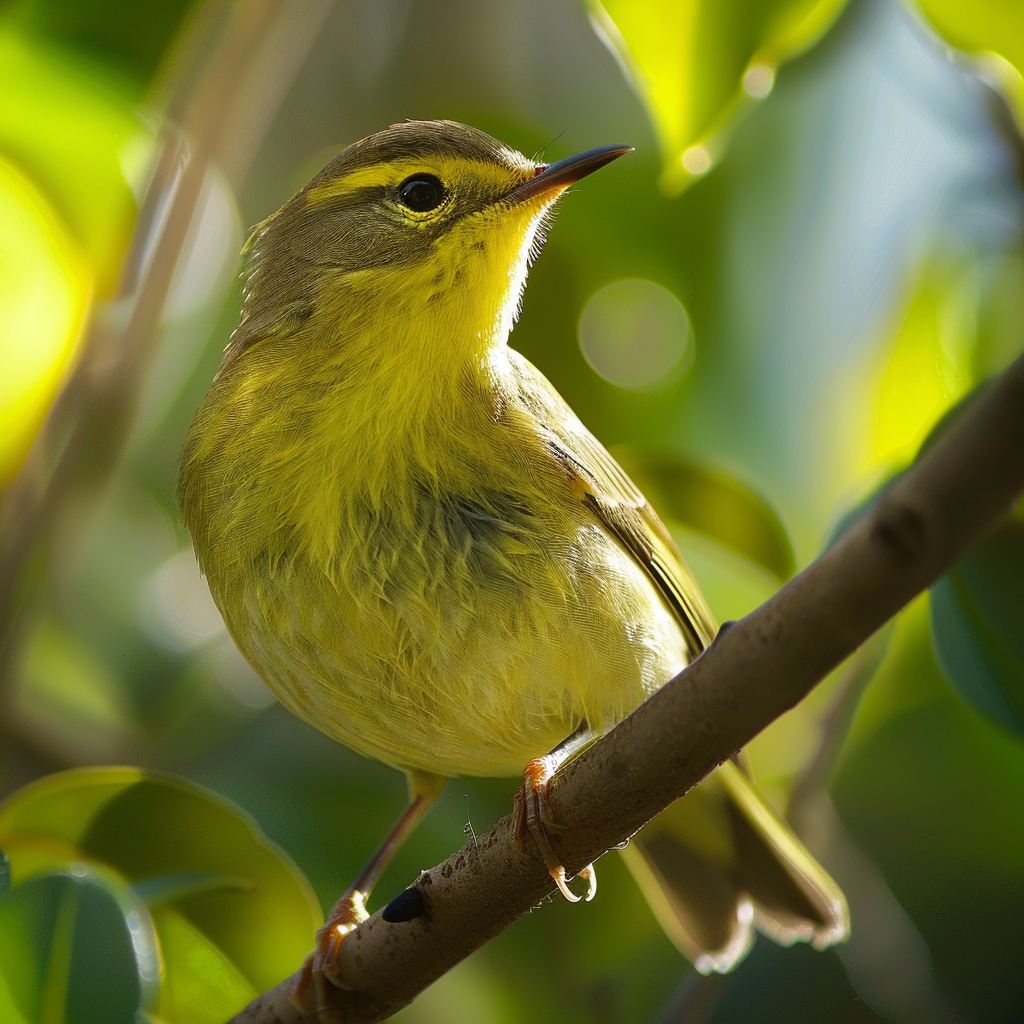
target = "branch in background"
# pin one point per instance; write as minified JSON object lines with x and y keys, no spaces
{"x":225,"y":85}
{"x":834,"y":724}
{"x":758,"y":669}
{"x":886,"y":958}
{"x":696,"y":1000}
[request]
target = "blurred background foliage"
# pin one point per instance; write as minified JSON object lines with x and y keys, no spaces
{"x":813,"y":256}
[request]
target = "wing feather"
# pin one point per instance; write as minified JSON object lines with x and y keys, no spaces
{"x":618,"y":504}
{"x":707,"y":901}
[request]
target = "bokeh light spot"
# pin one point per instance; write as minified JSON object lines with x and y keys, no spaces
{"x":758,"y":81}
{"x":635,"y":334}
{"x":697,"y":160}
{"x":176,"y":608}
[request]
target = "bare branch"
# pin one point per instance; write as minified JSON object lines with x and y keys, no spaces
{"x":758,"y":669}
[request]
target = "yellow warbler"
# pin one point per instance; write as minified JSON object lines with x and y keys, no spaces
{"x":423,"y":551}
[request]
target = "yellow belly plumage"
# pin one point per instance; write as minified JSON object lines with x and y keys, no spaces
{"x":457,"y":622}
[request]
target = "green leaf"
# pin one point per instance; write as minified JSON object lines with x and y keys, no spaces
{"x":67,"y":954}
{"x":66,"y":212}
{"x":698,"y":63}
{"x":233,"y":916}
{"x":993,"y":31}
{"x":122,"y":33}
{"x":978,"y":626}
{"x":204,"y":986}
{"x":156,"y":892}
{"x":714,"y":504}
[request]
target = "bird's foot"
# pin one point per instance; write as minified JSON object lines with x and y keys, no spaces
{"x":534,"y":818}
{"x":319,"y":979}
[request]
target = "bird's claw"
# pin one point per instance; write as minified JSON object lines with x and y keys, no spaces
{"x":319,"y":977}
{"x":534,"y":817}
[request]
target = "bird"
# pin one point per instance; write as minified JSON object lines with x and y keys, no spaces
{"x":426,"y":555}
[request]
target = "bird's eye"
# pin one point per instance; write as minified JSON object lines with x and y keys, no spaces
{"x":421,"y":192}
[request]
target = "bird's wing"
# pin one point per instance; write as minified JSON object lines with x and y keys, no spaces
{"x":719,"y":860}
{"x":617,"y":503}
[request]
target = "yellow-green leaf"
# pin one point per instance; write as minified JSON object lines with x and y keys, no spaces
{"x":44,"y":294}
{"x":992,"y":30}
{"x":205,"y":987}
{"x":699,"y":62}
{"x":74,"y":135}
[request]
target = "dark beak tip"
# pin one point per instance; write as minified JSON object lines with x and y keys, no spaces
{"x":566,"y":172}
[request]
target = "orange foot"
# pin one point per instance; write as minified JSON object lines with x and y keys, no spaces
{"x":319,"y":980}
{"x":535,"y":818}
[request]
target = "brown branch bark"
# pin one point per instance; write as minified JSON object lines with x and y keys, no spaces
{"x":758,"y":669}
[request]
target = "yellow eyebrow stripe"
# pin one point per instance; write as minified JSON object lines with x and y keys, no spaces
{"x":392,"y":173}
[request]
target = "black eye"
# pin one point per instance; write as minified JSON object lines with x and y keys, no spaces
{"x":421,"y":192}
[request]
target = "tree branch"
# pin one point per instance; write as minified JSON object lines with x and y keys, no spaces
{"x":758,"y":669}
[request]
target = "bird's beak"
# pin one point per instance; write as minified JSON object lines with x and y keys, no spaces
{"x":553,"y":178}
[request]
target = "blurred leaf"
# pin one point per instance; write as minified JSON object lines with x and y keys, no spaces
{"x":9,"y":1012}
{"x":129,"y":35}
{"x":713,"y":504}
{"x":947,"y":419}
{"x":978,"y":626}
{"x":66,"y":211}
{"x":988,"y":29}
{"x":68,"y":952}
{"x":924,"y":366}
{"x":699,"y":62}
{"x":233,"y":915}
{"x":44,"y":295}
{"x":1000,"y":311}
{"x":75,"y":137}
{"x":171,"y":888}
{"x":202,"y":985}
{"x":66,"y":695}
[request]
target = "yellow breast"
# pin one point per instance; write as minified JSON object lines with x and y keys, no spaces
{"x":456,"y":614}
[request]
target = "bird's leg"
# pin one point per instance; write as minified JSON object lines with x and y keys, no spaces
{"x":320,"y":969}
{"x":534,"y":816}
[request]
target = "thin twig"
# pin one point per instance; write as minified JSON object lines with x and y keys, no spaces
{"x":224,"y":93}
{"x":960,"y":488}
{"x":834,"y":724}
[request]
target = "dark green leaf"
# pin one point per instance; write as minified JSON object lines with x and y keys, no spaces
{"x":714,"y":504}
{"x":978,"y":626}
{"x":66,"y":952}
{"x":132,"y":37}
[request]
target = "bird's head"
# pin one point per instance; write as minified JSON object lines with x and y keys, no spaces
{"x":427,"y":225}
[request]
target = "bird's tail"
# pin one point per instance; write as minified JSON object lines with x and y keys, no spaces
{"x":720,"y":862}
